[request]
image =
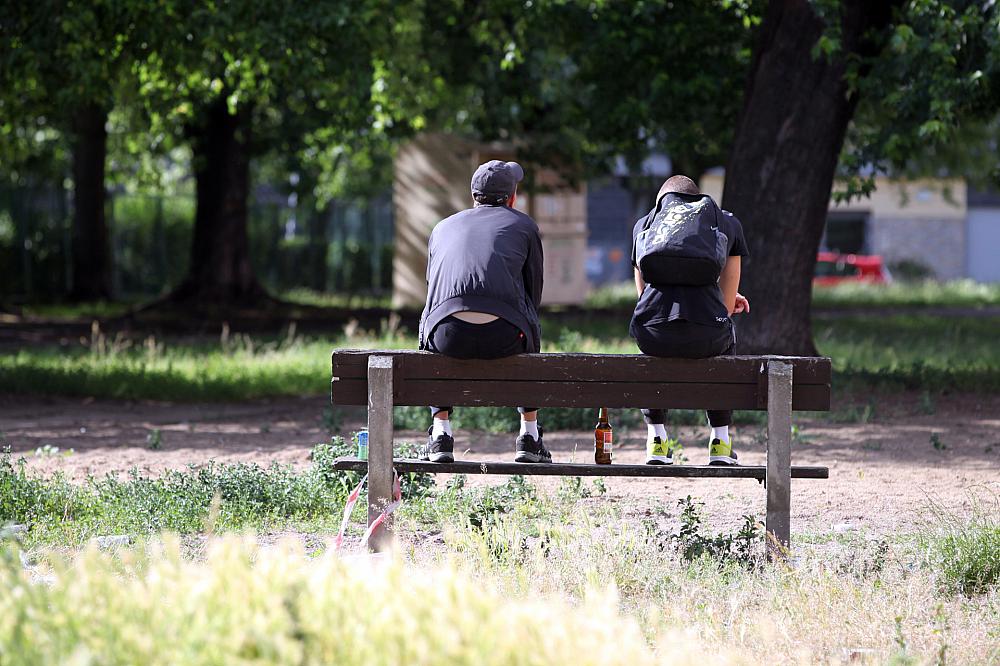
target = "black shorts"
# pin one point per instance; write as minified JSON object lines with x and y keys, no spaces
{"x":462,"y":339}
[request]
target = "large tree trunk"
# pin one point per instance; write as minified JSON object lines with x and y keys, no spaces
{"x":221,"y":274}
{"x":91,"y":248}
{"x":781,"y":168}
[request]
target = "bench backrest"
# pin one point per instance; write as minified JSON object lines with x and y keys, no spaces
{"x":581,"y":380}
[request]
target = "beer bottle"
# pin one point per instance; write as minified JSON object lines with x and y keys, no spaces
{"x":602,"y":438}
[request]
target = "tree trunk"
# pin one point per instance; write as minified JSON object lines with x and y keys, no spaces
{"x":221,"y":274}
{"x":91,"y":248}
{"x":780,"y":173}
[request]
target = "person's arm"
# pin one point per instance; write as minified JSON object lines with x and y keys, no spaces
{"x":640,"y":284}
{"x":729,"y":282}
{"x":534,"y":270}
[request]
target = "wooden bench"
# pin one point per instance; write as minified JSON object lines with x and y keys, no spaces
{"x":777,"y":384}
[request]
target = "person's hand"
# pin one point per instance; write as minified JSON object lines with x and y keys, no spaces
{"x":742,"y":304}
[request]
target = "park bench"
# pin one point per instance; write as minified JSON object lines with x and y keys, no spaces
{"x":778,"y":384}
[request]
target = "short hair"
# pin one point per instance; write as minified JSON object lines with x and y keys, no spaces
{"x":490,"y":199}
{"x":680,"y":184}
{"x":493,"y":199}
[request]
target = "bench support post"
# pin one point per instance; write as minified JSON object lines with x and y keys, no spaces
{"x":779,"y":459}
{"x":380,"y":447}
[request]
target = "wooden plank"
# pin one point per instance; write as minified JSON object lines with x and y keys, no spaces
{"x":380,"y":385}
{"x":479,"y":393}
{"x":581,"y":469}
{"x":779,"y":459}
{"x":580,"y":367}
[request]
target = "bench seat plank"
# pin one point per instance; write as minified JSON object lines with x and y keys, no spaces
{"x":580,"y":469}
{"x":411,"y":364}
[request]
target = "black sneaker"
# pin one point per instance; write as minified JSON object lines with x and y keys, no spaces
{"x":438,"y":449}
{"x":527,"y":450}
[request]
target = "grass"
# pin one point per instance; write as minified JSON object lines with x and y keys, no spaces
{"x":229,"y":496}
{"x":900,"y":294}
{"x":966,"y":550}
{"x":907,"y":351}
{"x":538,"y":579}
{"x":913,"y":351}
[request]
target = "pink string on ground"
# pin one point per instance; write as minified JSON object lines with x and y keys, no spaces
{"x":352,"y":499}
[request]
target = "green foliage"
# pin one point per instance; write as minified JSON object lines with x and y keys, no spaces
{"x":965,"y":550}
{"x":920,"y":95}
{"x":232,"y":495}
{"x":744,"y":548}
{"x":936,"y":442}
{"x":920,"y":294}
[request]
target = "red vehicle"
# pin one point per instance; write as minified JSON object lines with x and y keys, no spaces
{"x":833,"y":268}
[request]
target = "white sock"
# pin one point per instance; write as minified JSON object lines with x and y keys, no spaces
{"x":441,"y":427}
{"x":656,"y":430}
{"x":722,"y":432}
{"x":529,"y":428}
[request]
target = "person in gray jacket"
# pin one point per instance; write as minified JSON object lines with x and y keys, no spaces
{"x":484,"y":287}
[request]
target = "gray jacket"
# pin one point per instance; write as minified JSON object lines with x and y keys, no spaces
{"x":485,"y":259}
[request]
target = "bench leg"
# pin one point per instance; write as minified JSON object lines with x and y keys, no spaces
{"x":779,"y":459}
{"x":379,"y":447}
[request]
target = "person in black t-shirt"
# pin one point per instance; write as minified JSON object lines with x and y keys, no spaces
{"x":685,"y":321}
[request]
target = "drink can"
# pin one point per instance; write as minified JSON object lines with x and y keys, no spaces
{"x":362,"y":438}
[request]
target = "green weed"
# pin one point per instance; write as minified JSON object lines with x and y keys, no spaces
{"x":965,"y":550}
{"x":180,"y":500}
{"x":744,"y":547}
{"x":937,"y":443}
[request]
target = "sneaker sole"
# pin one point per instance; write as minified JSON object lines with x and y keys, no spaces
{"x":441,"y":457}
{"x":527,"y":457}
{"x":722,"y":461}
{"x":659,"y":460}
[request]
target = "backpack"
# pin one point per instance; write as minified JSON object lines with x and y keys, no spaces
{"x":681,"y":243}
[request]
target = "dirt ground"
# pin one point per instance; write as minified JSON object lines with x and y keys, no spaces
{"x":886,"y":476}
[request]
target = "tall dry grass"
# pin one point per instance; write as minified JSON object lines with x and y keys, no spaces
{"x":244,"y":604}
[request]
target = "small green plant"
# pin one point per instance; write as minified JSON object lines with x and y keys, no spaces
{"x":49,"y":451}
{"x":937,"y":443}
{"x":901,"y":656}
{"x":154,"y":439}
{"x":571,"y":489}
{"x":485,"y":505}
{"x":600,"y":487}
{"x":674,"y":444}
{"x":799,"y":436}
{"x":743,"y":548}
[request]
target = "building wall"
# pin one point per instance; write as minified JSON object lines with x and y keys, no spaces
{"x":983,"y":243}
{"x":431,"y":182}
{"x":938,"y":243}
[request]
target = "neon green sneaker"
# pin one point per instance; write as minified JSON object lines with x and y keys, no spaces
{"x":720,"y":452}
{"x":659,"y":452}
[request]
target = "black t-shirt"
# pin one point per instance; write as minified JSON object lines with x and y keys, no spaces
{"x":699,"y":304}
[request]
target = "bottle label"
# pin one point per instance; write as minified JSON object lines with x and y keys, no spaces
{"x":607,"y":441}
